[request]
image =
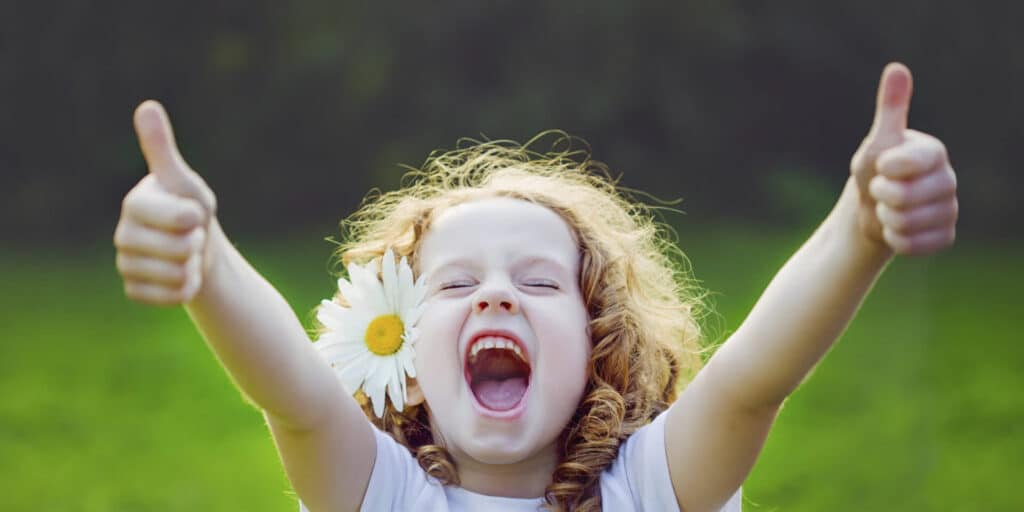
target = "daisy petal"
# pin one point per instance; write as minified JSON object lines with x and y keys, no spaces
{"x":354,"y":374}
{"x":420,"y":290}
{"x":390,"y":278}
{"x":405,"y":384}
{"x":406,"y":295}
{"x":349,"y":292}
{"x":339,"y":354}
{"x":375,"y":389}
{"x":343,"y":325}
{"x":405,"y":271}
{"x":410,"y":317}
{"x":372,"y":293}
{"x":408,"y":361}
{"x":331,"y":315}
{"x":381,"y":287}
{"x":395,"y":386}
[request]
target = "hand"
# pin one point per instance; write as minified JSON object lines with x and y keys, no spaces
{"x":161,"y":238}
{"x":906,"y":184}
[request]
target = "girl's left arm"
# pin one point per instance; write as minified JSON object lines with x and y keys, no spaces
{"x":900,"y":198}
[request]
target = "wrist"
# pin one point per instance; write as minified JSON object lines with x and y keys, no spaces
{"x":213,"y":260}
{"x":850,"y":220}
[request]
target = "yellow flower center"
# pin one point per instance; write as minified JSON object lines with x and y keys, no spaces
{"x":384,"y":335}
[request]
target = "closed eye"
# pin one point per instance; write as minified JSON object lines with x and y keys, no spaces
{"x":456,"y":284}
{"x":542,"y":284}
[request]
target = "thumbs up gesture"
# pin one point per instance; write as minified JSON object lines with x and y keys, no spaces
{"x":161,"y":238}
{"x":906,"y":184}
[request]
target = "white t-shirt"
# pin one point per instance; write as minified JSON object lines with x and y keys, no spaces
{"x":637,"y":480}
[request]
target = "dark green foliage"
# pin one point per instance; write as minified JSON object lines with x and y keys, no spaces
{"x":292,"y":110}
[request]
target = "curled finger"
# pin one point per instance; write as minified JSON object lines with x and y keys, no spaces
{"x":135,"y":238}
{"x":904,"y":194}
{"x":919,"y":218}
{"x":920,"y":243}
{"x":164,"y":211}
{"x":918,"y":155}
{"x":153,"y":294}
{"x":137,"y":267}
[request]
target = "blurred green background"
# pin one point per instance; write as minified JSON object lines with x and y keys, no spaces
{"x":292,"y":111}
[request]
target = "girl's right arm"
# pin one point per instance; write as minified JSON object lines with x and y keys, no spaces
{"x":171,"y":250}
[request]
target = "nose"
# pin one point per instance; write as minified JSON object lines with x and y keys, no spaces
{"x":495,"y":297}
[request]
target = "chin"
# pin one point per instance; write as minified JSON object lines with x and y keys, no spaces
{"x":499,"y":450}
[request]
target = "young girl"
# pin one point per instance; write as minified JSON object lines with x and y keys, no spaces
{"x":537,"y":358}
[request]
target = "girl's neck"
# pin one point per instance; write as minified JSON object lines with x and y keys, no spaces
{"x":525,"y":479}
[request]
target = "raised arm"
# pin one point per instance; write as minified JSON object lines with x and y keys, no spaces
{"x":171,"y":250}
{"x":900,"y":198}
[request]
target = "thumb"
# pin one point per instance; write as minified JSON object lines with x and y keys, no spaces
{"x":156,"y":139}
{"x":892,"y":107}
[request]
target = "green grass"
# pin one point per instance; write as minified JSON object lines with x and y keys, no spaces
{"x":108,"y":405}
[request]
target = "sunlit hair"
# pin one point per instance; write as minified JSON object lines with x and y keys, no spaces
{"x":642,"y":302}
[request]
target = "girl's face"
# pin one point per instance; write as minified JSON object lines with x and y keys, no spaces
{"x":503,"y":277}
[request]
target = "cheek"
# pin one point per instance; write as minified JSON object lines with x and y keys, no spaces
{"x":437,"y":351}
{"x":576,"y":362}
{"x":570,"y":352}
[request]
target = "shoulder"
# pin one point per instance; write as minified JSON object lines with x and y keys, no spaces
{"x":397,"y":482}
{"x":639,"y":479}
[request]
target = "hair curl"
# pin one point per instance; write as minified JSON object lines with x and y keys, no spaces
{"x":643,"y":306}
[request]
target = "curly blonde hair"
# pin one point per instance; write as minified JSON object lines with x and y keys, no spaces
{"x":642,"y":301}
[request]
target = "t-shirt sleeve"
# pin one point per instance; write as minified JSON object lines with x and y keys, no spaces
{"x":397,"y":482}
{"x":639,"y":477}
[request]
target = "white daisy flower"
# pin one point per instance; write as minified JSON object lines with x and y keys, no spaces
{"x":370,"y":344}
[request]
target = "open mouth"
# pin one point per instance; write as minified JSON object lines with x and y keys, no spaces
{"x":498,"y":372}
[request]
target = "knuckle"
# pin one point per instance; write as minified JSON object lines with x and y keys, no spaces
{"x":131,"y":290}
{"x":184,"y":293}
{"x":121,"y":262}
{"x":121,"y":235}
{"x":190,"y":214}
{"x":131,"y":204}
{"x":176,"y":295}
{"x":197,"y":239}
{"x":905,"y":164}
{"x":898,"y":196}
{"x":210,"y":201}
{"x":895,"y":241}
{"x":889,"y":217}
{"x":950,"y":181}
{"x":181,"y":247}
{"x":877,"y":187}
{"x":857,"y":161}
{"x":881,"y":211}
{"x":178,"y":275}
{"x":898,"y":157}
{"x":899,"y":222}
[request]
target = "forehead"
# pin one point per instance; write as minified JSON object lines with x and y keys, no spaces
{"x":501,"y":229}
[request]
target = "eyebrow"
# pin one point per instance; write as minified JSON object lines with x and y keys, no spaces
{"x":445,"y":265}
{"x":539,"y":260}
{"x":522,"y":261}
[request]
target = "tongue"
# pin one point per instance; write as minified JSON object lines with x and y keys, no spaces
{"x":500,"y":395}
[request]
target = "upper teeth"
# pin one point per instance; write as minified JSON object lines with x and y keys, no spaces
{"x":487,"y":342}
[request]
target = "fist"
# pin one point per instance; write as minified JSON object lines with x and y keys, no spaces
{"x":906,"y":184}
{"x":161,"y":237}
